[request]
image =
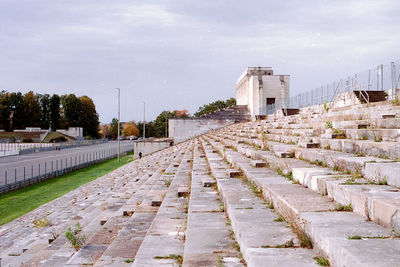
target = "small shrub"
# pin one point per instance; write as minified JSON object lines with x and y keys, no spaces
{"x":396,"y":101}
{"x":40,"y":223}
{"x":328,"y":125}
{"x":58,"y":139}
{"x":326,"y":106}
{"x":75,"y":237}
{"x":177,"y":258}
{"x":322,"y":261}
{"x":344,"y":207}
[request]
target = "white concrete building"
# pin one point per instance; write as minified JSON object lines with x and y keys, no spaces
{"x":258,"y":86}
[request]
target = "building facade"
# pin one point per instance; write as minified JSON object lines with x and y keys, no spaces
{"x":258,"y":87}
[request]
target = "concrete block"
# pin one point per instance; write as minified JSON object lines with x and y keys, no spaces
{"x":232,"y":173}
{"x":156,"y":201}
{"x":207,"y":182}
{"x":258,"y":163}
{"x":183,"y":191}
{"x":279,"y":257}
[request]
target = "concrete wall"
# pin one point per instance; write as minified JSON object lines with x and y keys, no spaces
{"x":184,"y":129}
{"x":273,"y":86}
{"x":72,"y":131}
{"x":149,"y":146}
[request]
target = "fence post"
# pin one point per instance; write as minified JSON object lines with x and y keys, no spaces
{"x":45,"y":169}
{"x":31,"y":171}
{"x":5,"y":177}
{"x":39,"y":171}
{"x":24,"y":175}
{"x":15,"y":175}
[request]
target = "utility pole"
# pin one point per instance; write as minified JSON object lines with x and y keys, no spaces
{"x":144,"y":120}
{"x":119,"y":145}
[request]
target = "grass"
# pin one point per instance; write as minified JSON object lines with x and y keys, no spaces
{"x":177,"y":258}
{"x":322,"y":261}
{"x":21,"y":201}
{"x":340,"y":207}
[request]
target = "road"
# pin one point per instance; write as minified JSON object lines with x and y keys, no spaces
{"x":33,"y":164}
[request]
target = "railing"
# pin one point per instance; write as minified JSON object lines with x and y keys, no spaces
{"x":382,"y":78}
{"x":37,"y":147}
{"x":29,"y":174}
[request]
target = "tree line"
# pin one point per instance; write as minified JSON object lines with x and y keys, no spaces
{"x":214,"y":106}
{"x":18,"y":111}
{"x":159,"y":126}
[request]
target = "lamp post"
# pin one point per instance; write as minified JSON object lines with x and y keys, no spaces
{"x":119,"y":145}
{"x":144,"y":120}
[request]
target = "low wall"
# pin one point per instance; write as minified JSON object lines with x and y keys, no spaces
{"x":149,"y":146}
{"x":184,"y":129}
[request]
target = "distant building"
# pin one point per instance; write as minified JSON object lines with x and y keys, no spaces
{"x":258,"y":87}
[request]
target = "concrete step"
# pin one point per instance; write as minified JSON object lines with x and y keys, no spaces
{"x":261,"y":235}
{"x":164,"y":242}
{"x":92,"y":207}
{"x":312,"y":216}
{"x":208,"y":241}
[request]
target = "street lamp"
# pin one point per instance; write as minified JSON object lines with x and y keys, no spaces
{"x":119,"y":145}
{"x":144,"y":120}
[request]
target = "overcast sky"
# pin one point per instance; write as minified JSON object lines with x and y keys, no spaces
{"x":181,"y":54}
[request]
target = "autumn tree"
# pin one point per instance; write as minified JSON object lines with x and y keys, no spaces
{"x":105,"y":131}
{"x":130,"y":129}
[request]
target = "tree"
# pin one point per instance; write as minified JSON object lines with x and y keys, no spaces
{"x":161,"y":122}
{"x":44,"y":102}
{"x":105,"y":131}
{"x":55,"y":102}
{"x":4,"y":111}
{"x":32,"y":110}
{"x":130,"y":129}
{"x":89,"y":119}
{"x":214,"y":106}
{"x":72,"y":110}
{"x":114,"y":128}
{"x":17,"y":111}
{"x":150,"y":131}
{"x":230,"y":102}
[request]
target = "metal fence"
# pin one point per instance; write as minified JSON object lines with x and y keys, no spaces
{"x":37,"y":147}
{"x":33,"y":173}
{"x":382,"y":78}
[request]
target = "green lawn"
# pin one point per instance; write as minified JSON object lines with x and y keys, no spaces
{"x":19,"y":202}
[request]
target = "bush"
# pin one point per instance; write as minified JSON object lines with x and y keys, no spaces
{"x":58,"y":139}
{"x":75,"y":237}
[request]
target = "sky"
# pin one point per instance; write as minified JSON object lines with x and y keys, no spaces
{"x":182,"y":54}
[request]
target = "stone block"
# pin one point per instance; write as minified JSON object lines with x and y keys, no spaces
{"x":312,"y":145}
{"x":232,"y":173}
{"x":156,"y":201}
{"x":127,"y":213}
{"x":286,"y":154}
{"x":258,"y":163}
{"x":207,"y":182}
{"x":183,"y":191}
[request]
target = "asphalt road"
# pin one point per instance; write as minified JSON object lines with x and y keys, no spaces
{"x":33,"y":164}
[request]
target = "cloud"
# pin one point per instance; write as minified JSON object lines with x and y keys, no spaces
{"x":183,"y":54}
